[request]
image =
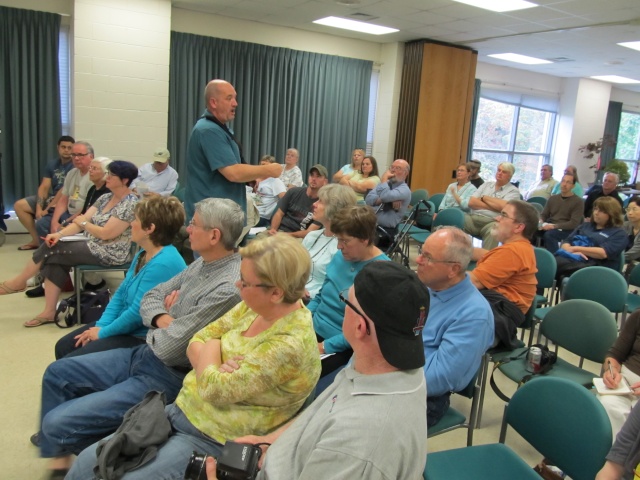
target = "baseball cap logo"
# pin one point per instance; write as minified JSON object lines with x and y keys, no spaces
{"x":422,"y":318}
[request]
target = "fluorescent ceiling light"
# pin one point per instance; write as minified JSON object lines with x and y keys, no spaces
{"x":499,"y":5}
{"x":634,"y":45}
{"x":514,"y":57}
{"x":355,"y":26}
{"x":615,"y":79}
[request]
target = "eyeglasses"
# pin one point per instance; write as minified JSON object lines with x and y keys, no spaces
{"x":192,"y":224}
{"x":344,"y":241}
{"x":355,"y":309}
{"x":634,"y":209}
{"x":504,"y":215}
{"x":95,"y":169}
{"x":429,"y":259}
{"x":79,"y":154}
{"x":244,"y":284}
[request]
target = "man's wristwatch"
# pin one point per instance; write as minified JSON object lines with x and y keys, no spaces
{"x":83,"y":224}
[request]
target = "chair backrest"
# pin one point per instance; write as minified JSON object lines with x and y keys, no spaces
{"x":449,"y":216}
{"x":417,"y":196}
{"x":537,"y":206}
{"x":547,"y":266}
{"x":634,"y":277}
{"x":539,"y":200}
{"x":600,"y":284}
{"x":424,"y":217}
{"x":583,"y":327}
{"x":564,"y":422}
{"x":436,"y":198}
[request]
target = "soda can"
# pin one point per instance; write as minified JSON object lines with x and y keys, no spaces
{"x":534,"y":359}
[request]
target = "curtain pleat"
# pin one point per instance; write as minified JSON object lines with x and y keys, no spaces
{"x":316,"y":103}
{"x":474,"y":117}
{"x":29,"y":98}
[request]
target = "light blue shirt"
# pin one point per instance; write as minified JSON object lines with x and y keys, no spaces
{"x":449,"y":201}
{"x":459,"y":329}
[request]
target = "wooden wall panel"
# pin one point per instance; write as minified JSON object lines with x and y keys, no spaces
{"x":442,"y":122}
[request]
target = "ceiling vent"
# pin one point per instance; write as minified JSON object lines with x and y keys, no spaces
{"x":362,"y":17}
{"x":560,"y":59}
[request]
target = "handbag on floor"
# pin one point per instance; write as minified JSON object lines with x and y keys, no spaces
{"x":92,"y":305}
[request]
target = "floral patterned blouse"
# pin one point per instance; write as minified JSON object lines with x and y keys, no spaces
{"x":280,"y":368}
{"x":115,"y":251}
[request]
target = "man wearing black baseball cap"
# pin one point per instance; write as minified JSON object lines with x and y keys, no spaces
{"x":295,"y":210}
{"x":371,"y":422}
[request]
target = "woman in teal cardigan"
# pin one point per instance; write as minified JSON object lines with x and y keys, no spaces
{"x":158,"y":220}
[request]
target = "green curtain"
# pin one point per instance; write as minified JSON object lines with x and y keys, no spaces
{"x":29,"y":98}
{"x":287,"y":98}
{"x":474,"y":117}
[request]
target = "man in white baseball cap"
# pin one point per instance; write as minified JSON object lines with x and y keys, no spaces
{"x":158,"y":177}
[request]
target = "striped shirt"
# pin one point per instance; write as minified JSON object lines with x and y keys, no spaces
{"x":207,"y":291}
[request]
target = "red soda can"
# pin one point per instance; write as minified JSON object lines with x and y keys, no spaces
{"x":534,"y":359}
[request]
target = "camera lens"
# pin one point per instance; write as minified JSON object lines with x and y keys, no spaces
{"x":196,"y":469}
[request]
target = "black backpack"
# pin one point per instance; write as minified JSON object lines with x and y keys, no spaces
{"x":92,"y":305}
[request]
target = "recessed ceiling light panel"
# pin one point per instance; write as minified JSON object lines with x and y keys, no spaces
{"x":355,"y":26}
{"x":499,"y":5}
{"x":514,"y":57}
{"x":615,"y":79}
{"x":634,"y":45}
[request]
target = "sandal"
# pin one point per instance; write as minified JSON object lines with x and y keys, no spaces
{"x":7,"y":290}
{"x":37,"y":321}
{"x":28,"y":246}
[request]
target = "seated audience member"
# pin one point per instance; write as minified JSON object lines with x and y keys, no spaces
{"x":544,"y":186}
{"x":561,"y":214}
{"x":607,"y":189}
{"x":322,"y":244}
{"x":458,"y":193}
{"x":622,"y":362}
{"x":84,"y":398}
{"x":98,"y":170}
{"x":253,"y":368}
{"x":107,"y":228}
{"x":623,"y":460}
{"x":370,"y":423}
{"x":158,"y":177}
{"x":355,"y":230}
{"x":266,"y":193}
{"x":632,"y":228}
{"x":364,"y":179}
{"x":356,"y":159}
{"x":506,"y":275}
{"x":73,"y":192}
{"x":577,"y":188}
{"x":157,"y":221}
{"x":487,"y":202}
{"x":291,"y":175}
{"x":30,"y":209}
{"x":599,"y":241}
{"x":460,"y":326}
{"x":390,"y":200}
{"x":474,"y":174}
{"x":295,"y":209}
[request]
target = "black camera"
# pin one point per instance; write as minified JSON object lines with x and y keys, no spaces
{"x":238,"y":461}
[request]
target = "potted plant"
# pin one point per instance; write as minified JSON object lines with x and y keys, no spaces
{"x":592,"y":149}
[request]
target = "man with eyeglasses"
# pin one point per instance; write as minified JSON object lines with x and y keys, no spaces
{"x":370,"y":422}
{"x":85,"y":398}
{"x":486,"y":204}
{"x":32,"y":208}
{"x":506,"y":275}
{"x":460,"y":327}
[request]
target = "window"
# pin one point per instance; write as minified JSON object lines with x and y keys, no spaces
{"x":628,"y":146}
{"x":517,"y":129}
{"x":373,"y":100}
{"x":64,"y":76}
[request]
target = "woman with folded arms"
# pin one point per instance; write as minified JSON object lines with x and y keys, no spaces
{"x":364,"y":179}
{"x":157,"y":221}
{"x":107,"y":228}
{"x":253,"y":367}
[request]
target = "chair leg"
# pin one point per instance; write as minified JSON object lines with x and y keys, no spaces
{"x":482,"y":378}
{"x":77,"y":276}
{"x":503,"y":427}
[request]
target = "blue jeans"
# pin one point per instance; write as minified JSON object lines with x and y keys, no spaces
{"x":84,"y":398}
{"x":66,"y":346}
{"x":171,"y":460}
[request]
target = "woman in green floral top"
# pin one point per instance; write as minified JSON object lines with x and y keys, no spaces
{"x":253,"y":367}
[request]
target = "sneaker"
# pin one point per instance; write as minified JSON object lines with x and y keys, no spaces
{"x":94,"y":288}
{"x":35,"y":292}
{"x":34,"y":281}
